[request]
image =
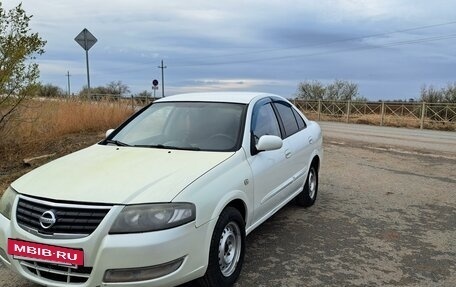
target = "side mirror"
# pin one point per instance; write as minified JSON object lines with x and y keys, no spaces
{"x":268,"y":142}
{"x":108,"y":132}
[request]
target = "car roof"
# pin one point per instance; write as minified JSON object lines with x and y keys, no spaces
{"x":226,"y":97}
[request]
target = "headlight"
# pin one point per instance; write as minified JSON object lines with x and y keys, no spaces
{"x":6,"y":203}
{"x":152,"y":217}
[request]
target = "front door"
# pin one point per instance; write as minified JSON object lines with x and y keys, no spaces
{"x":272,"y":178}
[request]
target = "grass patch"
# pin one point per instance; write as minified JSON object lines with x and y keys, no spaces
{"x":38,"y":123}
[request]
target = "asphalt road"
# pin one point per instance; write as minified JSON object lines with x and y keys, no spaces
{"x":385,"y":216}
{"x":422,"y":141}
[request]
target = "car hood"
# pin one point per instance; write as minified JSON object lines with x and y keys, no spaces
{"x":118,"y":175}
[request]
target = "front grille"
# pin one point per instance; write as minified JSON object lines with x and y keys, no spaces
{"x":70,"y":219}
{"x":57,"y":272}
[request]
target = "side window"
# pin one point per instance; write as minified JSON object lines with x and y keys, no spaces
{"x":288,"y":119}
{"x":301,"y":123}
{"x":264,"y":122}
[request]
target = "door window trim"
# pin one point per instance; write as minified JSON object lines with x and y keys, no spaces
{"x":260,"y":103}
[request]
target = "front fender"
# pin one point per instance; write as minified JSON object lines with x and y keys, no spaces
{"x":213,"y":191}
{"x":226,"y":199}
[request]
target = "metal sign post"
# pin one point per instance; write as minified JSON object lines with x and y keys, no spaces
{"x":154,"y":86}
{"x":86,"y":40}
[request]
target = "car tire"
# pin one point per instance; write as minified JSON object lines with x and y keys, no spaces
{"x":308,"y":194}
{"x":226,"y":253}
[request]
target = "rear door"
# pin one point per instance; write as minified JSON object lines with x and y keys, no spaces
{"x":298,"y":140}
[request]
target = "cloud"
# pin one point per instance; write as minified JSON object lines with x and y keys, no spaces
{"x":60,"y":67}
{"x":247,"y":45}
{"x":210,"y":85}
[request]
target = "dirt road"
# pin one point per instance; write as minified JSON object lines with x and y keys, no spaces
{"x":385,"y":216}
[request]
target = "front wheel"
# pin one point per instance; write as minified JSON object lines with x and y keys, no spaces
{"x":308,"y":194}
{"x":226,"y":253}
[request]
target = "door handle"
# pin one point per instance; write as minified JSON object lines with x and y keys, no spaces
{"x":311,"y":140}
{"x":287,"y":154}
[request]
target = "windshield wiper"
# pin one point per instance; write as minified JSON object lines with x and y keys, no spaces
{"x":161,"y":146}
{"x":116,"y":142}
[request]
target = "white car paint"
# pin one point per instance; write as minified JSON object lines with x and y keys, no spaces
{"x":156,"y":175}
{"x":120,"y":175}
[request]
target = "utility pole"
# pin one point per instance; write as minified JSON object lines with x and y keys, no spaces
{"x":68,"y":76}
{"x":163,"y":78}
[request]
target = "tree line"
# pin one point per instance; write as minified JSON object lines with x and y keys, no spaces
{"x":111,"y":89}
{"x":430,"y":94}
{"x":341,"y":90}
{"x":338,"y":90}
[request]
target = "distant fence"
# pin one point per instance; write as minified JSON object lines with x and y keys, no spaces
{"x":441,"y":116}
{"x":422,"y":115}
{"x":133,"y":101}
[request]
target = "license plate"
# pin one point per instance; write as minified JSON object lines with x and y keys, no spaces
{"x":44,"y":252}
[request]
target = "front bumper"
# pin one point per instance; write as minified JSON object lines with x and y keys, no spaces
{"x":103,"y":251}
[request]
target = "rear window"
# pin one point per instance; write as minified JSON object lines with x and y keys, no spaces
{"x":299,"y":119}
{"x":290,"y":124}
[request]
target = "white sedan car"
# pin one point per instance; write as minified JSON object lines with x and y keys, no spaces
{"x":167,"y":197}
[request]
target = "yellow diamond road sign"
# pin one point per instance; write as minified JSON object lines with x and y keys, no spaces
{"x":85,"y":39}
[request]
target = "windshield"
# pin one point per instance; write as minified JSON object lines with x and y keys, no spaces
{"x":184,"y":125}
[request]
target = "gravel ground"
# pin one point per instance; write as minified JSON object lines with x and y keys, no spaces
{"x":382,"y":219}
{"x":385,"y":216}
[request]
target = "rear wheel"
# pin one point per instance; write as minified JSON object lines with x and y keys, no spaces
{"x":308,"y":194}
{"x":226,"y":253}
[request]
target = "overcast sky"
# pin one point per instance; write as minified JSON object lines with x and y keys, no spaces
{"x":389,"y":47}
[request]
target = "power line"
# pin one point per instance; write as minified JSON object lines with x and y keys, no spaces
{"x":416,"y":41}
{"x":329,"y":43}
{"x":392,"y":44}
